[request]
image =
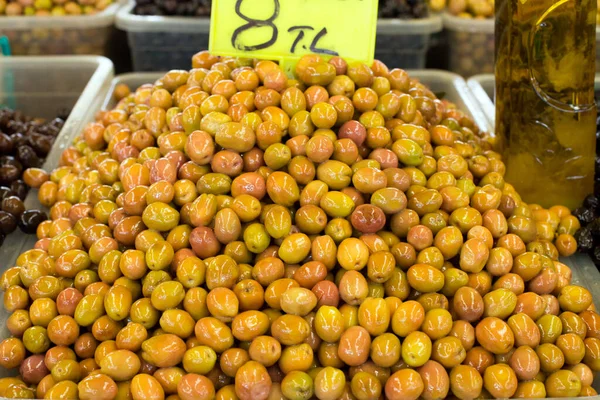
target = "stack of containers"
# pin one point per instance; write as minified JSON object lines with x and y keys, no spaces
{"x":41,"y":35}
{"x":161,"y":43}
{"x":470,"y":45}
{"x":45,"y":87}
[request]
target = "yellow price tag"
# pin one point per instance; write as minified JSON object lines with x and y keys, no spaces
{"x":285,"y":30}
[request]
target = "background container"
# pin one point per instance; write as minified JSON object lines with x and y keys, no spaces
{"x":85,"y":34}
{"x":162,"y":43}
{"x":470,"y":45}
{"x":45,"y":87}
{"x":404,"y":43}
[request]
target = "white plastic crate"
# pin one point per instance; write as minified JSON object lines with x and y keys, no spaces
{"x":45,"y":87}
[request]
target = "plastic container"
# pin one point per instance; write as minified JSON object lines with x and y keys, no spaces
{"x":404,"y":43}
{"x":470,"y":45}
{"x":44,"y":87}
{"x":86,"y":34}
{"x":162,"y":43}
{"x":483,"y":87}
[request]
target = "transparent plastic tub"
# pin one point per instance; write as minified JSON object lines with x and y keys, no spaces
{"x":470,"y":45}
{"x":404,"y":43}
{"x":162,"y":43}
{"x":82,"y":35}
{"x":45,"y":87}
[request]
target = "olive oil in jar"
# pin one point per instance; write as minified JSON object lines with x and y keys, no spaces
{"x":545,"y":110}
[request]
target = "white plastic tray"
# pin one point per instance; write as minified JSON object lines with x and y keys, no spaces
{"x":43,"y":87}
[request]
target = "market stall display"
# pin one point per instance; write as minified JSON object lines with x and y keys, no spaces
{"x":408,"y":267}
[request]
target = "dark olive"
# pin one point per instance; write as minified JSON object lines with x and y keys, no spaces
{"x":30,"y":219}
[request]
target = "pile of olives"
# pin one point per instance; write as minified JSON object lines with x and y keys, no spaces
{"x":229,"y":233}
{"x":181,"y":8}
{"x":52,"y":7}
{"x":24,"y":144}
{"x":478,"y":9}
{"x":403,"y":9}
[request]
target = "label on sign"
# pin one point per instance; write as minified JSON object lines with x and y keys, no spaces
{"x":285,"y":30}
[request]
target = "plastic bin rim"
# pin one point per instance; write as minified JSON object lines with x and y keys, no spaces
{"x":130,"y":22}
{"x":421,"y":26}
{"x":455,"y":23}
{"x":100,"y":20}
{"x":102,"y":61}
{"x":482,"y":79}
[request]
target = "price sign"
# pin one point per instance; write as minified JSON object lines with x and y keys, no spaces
{"x":285,"y":30}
